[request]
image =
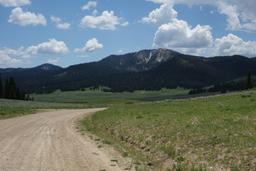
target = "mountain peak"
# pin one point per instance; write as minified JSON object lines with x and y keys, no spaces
{"x":155,"y":56}
{"x":48,"y":67}
{"x":141,"y":60}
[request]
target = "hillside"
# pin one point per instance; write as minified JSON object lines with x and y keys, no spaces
{"x":143,"y":70}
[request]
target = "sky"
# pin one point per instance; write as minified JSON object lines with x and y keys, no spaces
{"x":67,"y":32}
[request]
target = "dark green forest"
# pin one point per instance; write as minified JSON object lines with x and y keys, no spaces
{"x":9,"y":89}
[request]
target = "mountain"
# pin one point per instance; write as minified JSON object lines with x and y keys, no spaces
{"x":146,"y":69}
{"x":31,"y":79}
{"x":48,"y":67}
{"x":6,"y":70}
{"x":139,"y":61}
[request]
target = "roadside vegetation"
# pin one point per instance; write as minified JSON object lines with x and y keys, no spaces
{"x":212,"y":133}
{"x":14,"y":108}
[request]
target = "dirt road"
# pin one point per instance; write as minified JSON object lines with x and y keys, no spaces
{"x":49,"y":142}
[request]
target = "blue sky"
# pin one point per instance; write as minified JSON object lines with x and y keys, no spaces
{"x":66,"y":32}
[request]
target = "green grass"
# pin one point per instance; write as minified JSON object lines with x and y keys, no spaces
{"x":8,"y":112}
{"x":14,"y":108}
{"x":159,"y":132}
{"x":82,"y":99}
{"x":100,"y":98}
{"x":192,"y":134}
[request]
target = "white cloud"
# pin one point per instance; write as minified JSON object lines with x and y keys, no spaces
{"x":14,"y":3}
{"x":247,"y":9}
{"x":233,"y":45}
{"x":120,"y":51}
{"x":161,"y":15}
{"x":53,"y":46}
{"x":89,"y":5}
{"x":106,"y":21}
{"x":250,"y":26}
{"x":59,"y":23}
{"x":53,"y":61}
{"x":240,"y":14}
{"x":178,"y":34}
{"x":6,"y":60}
{"x":232,"y":15}
{"x":18,"y":16}
{"x":159,"y":1}
{"x":10,"y":57}
{"x":90,"y":46}
{"x":190,"y":2}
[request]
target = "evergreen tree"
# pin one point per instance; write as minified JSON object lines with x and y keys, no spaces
{"x":6,"y":88}
{"x":249,"y":83}
{"x":1,"y":88}
{"x":18,"y":94}
{"x":22,"y":95}
{"x":12,"y":89}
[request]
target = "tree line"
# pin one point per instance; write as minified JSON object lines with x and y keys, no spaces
{"x":239,"y":85}
{"x":9,"y":90}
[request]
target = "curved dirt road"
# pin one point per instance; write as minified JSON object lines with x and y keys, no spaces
{"x":48,"y":142}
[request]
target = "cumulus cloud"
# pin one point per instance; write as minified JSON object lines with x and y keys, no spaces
{"x":14,"y":3}
{"x":18,"y":16}
{"x":161,"y":15}
{"x":59,"y":23}
{"x":6,"y":60}
{"x":53,"y":46}
{"x":10,"y":57}
{"x":90,"y":46}
{"x":234,"y":45}
{"x":240,"y":14}
{"x":178,"y":34}
{"x":89,"y":5}
{"x":106,"y":21}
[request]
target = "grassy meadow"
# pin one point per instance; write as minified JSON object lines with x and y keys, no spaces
{"x":102,"y":99}
{"x":82,"y":99}
{"x":212,"y":133}
{"x":161,"y":132}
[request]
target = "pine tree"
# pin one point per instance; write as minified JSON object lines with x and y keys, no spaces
{"x":18,"y":94}
{"x":6,"y":88}
{"x":249,"y":83}
{"x":1,"y":87}
{"x":12,"y":89}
